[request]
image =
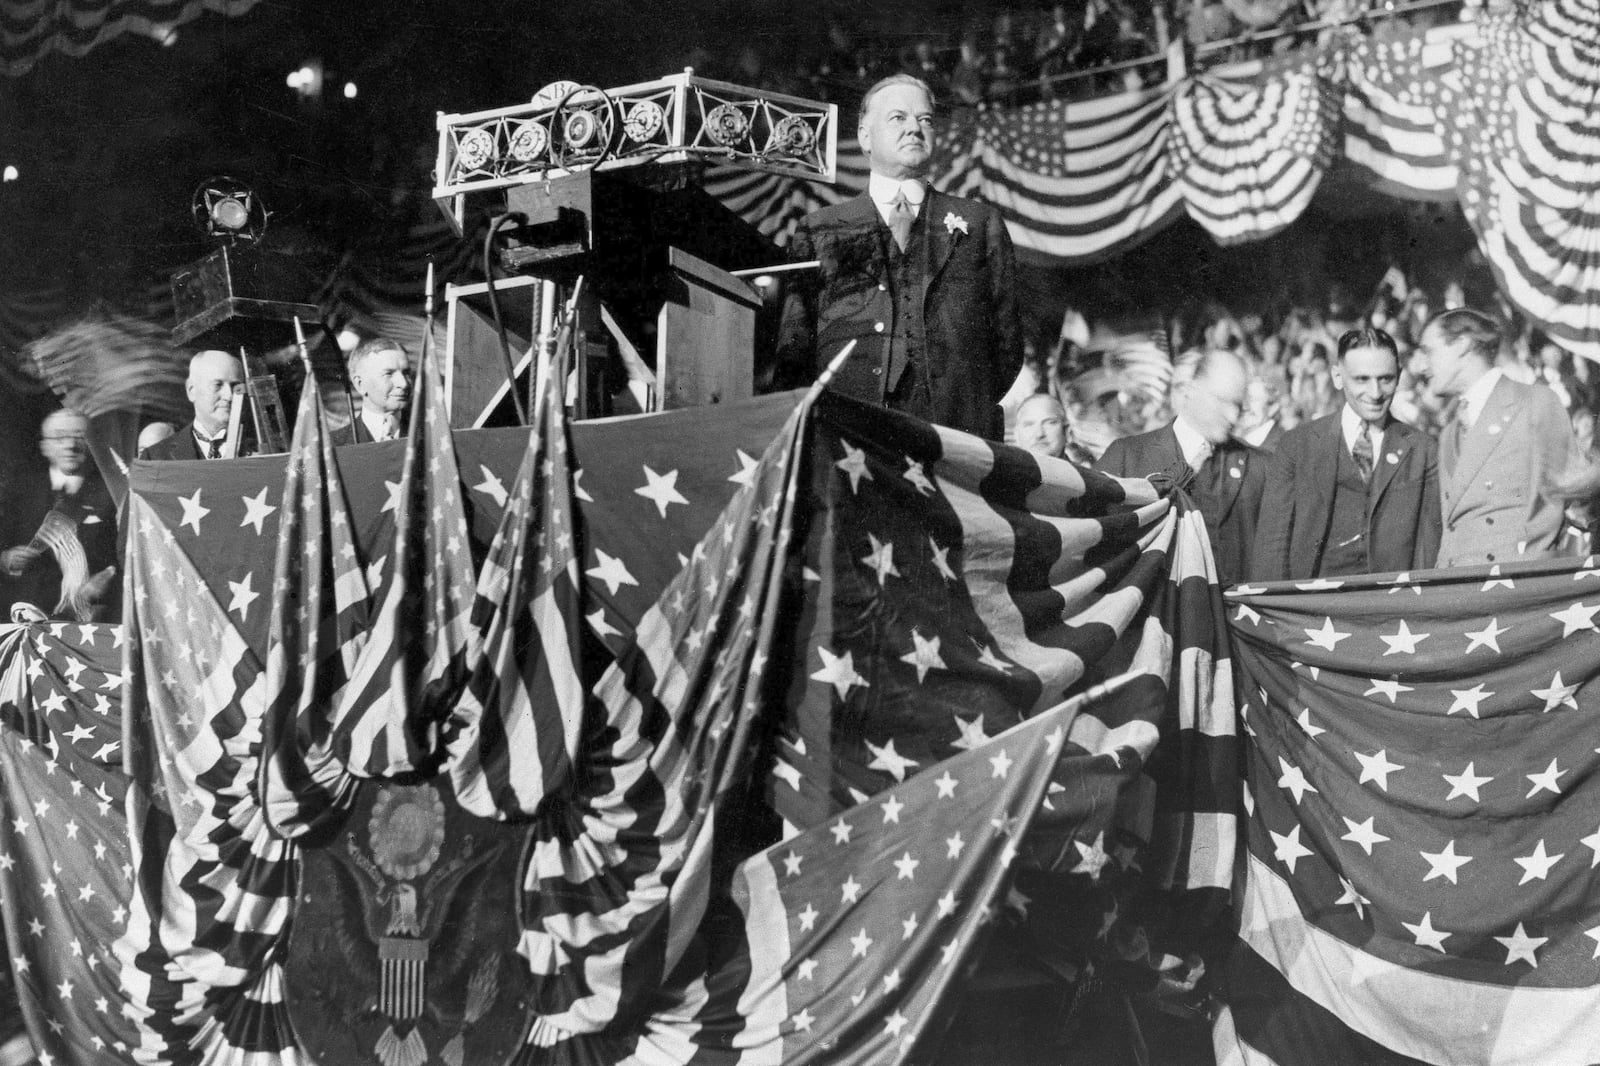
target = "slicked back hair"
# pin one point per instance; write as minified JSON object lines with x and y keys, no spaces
{"x":1368,"y":337}
{"x":1482,"y":332}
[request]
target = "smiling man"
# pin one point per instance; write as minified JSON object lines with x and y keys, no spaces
{"x":921,"y":281}
{"x":1354,"y":492}
{"x":214,"y":376}
{"x":380,"y":373}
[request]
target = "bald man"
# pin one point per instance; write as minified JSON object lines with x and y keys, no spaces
{"x":214,"y":376}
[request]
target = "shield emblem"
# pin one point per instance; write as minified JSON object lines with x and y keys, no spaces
{"x":403,"y":950}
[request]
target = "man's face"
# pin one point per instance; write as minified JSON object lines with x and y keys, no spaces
{"x":213,"y":377}
{"x":1445,"y":362}
{"x":384,"y":381}
{"x":64,"y":440}
{"x":1042,"y":427}
{"x":1368,"y":378}
{"x":897,"y":132}
{"x":1212,"y":404}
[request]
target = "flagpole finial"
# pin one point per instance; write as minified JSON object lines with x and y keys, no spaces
{"x":427,"y":294}
{"x":833,"y":368}
{"x":300,"y":340}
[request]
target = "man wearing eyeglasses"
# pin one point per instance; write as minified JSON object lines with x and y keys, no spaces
{"x":1354,"y":492}
{"x":63,"y":531}
{"x":1199,"y":452}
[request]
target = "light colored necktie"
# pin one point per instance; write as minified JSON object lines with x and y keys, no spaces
{"x":900,"y":218}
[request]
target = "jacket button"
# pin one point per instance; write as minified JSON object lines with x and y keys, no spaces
{"x":1490,"y":557}
{"x":877,"y":371}
{"x":1488,"y":521}
{"x":878,"y":327}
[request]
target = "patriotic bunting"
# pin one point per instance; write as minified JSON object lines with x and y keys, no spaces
{"x":1422,"y":832}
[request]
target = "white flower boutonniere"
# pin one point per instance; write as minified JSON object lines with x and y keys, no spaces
{"x":953,"y":222}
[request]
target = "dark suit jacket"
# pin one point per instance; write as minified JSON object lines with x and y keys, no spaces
{"x":94,"y":516}
{"x":972,"y":343}
{"x":181,"y":445}
{"x":1230,"y":512}
{"x":1402,"y":507}
{"x":1495,"y":483}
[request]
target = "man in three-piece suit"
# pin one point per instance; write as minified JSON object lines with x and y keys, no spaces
{"x":921,"y":281}
{"x":214,"y":376}
{"x":1197,"y":450}
{"x":1354,"y":492}
{"x":1502,"y":450}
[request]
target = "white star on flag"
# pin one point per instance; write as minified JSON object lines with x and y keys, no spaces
{"x":924,"y":656}
{"x":192,"y":511}
{"x":1487,"y":637}
{"x":917,"y":476}
{"x":610,"y":570}
{"x":972,"y":733}
{"x":1466,"y":783}
{"x":1522,"y":946}
{"x":1376,"y":768}
{"x":747,"y":468}
{"x":1352,"y":897}
{"x":941,"y":561}
{"x":1403,"y":641}
{"x":661,"y":490}
{"x":881,"y":559}
{"x":1391,"y":688}
{"x":1468,"y":699}
{"x":1558,"y":694}
{"x":1536,"y":865}
{"x":1444,"y":863}
{"x":906,"y":867}
{"x":1363,"y":835}
{"x":1326,"y":637}
{"x":854,"y":464}
{"x":393,"y":502}
{"x":1312,"y":731}
{"x":243,"y":595}
{"x":1093,"y":857}
{"x":839,"y":671}
{"x":1293,"y":779}
{"x":1287,"y":849}
{"x":256,"y":510}
{"x":1425,"y":934}
{"x":1545,"y":781}
{"x":888,"y":760}
{"x":492,"y":486}
{"x":1574,"y":619}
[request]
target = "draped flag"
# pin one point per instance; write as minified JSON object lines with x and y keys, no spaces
{"x":858,"y":928}
{"x":318,"y":629}
{"x":412,"y":668}
{"x":619,"y":877}
{"x":1422,"y":791}
{"x":517,"y":725}
{"x":200,"y":958}
{"x":66,"y":875}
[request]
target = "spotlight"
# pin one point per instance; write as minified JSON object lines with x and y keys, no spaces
{"x":10,"y":174}
{"x":226,"y":209}
{"x":349,"y":90}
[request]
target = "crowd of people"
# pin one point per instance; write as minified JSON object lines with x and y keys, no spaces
{"x":1069,"y":51}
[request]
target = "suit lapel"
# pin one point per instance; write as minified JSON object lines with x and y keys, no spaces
{"x":1487,"y":431}
{"x":940,"y":239}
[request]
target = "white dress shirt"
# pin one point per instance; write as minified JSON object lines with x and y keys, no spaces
{"x":379,"y":425}
{"x":883,"y":191}
{"x":1353,"y":424}
{"x":1470,"y":406}
{"x":1196,"y":449}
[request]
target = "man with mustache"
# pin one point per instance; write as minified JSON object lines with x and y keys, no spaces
{"x":921,"y":281}
{"x":214,"y":376}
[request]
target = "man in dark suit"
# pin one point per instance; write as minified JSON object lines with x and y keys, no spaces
{"x":1354,"y":492}
{"x":1197,"y":450}
{"x":62,"y":531}
{"x":921,"y":281}
{"x":1504,"y":449}
{"x":214,"y":376}
{"x":380,"y":373}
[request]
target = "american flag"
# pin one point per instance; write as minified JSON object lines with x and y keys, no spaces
{"x":412,"y":669}
{"x":66,"y":874}
{"x":1422,"y":791}
{"x":320,"y":607}
{"x":517,"y":726}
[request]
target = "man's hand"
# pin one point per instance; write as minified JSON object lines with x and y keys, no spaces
{"x":94,"y":589}
{"x":16,"y":561}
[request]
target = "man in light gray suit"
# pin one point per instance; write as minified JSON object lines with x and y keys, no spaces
{"x":1503,"y":448}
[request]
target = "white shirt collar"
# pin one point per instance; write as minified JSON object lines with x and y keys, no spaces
{"x":71,"y":484}
{"x":883,"y":189}
{"x":377,"y":422}
{"x":1472,"y":400}
{"x":1190,"y":442}
{"x":1353,"y":424}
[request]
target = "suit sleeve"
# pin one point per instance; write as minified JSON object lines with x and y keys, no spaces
{"x":1269,"y":556}
{"x":1430,"y":523}
{"x":1558,"y":450}
{"x":1008,"y":349}
{"x":795,"y":362}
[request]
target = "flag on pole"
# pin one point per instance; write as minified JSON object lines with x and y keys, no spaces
{"x":391,"y":713}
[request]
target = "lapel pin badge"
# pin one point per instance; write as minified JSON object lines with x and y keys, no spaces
{"x":1394,"y":458}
